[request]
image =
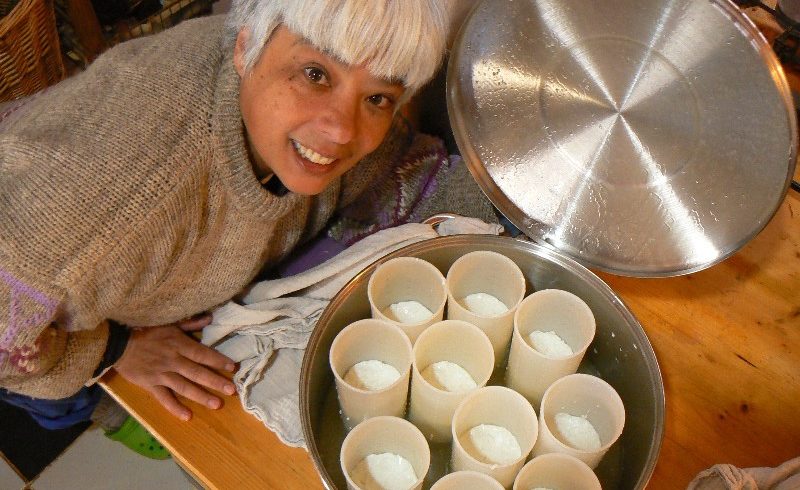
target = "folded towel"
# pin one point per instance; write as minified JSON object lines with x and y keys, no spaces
{"x":729,"y":477}
{"x":268,"y":332}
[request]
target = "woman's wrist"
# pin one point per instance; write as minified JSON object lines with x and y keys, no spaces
{"x":118,"y":336}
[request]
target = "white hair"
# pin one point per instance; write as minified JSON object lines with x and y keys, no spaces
{"x":397,"y":40}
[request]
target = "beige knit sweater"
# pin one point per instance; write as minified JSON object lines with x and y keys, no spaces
{"x":126,"y":193}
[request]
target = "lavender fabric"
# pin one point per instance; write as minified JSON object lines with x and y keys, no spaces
{"x":310,"y":256}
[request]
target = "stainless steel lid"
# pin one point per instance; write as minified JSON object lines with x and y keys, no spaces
{"x":641,"y":138}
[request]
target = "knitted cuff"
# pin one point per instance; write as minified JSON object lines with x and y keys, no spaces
{"x":118,"y":336}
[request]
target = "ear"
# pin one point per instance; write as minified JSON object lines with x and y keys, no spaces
{"x":239,"y":50}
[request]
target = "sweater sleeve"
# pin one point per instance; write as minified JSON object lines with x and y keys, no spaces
{"x":39,"y":357}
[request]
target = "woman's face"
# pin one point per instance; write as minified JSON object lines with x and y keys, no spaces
{"x":310,"y":118}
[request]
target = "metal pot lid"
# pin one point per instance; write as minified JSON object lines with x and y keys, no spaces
{"x":640,"y":138}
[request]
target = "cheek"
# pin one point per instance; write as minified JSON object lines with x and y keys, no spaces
{"x":374,"y":133}
{"x":266,"y":105}
{"x":262,"y":112}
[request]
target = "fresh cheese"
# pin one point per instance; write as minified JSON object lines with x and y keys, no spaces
{"x":448,"y":376}
{"x":484,"y":304}
{"x":371,"y":375}
{"x":385,"y":471}
{"x":550,"y":344}
{"x":408,"y":312}
{"x":577,"y":432}
{"x":492,"y":444}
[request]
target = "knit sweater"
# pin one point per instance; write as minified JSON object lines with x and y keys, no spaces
{"x":126,"y":193}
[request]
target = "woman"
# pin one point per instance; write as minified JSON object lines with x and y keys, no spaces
{"x":158,"y":183}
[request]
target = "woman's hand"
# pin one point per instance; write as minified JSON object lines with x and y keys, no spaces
{"x":165,"y":361}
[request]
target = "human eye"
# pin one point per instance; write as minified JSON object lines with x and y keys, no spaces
{"x":381,"y":101}
{"x":317,"y":75}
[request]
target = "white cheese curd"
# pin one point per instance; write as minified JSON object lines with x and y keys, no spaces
{"x":550,"y":344}
{"x":371,"y":375}
{"x":407,"y":312}
{"x":577,"y":432}
{"x":492,"y":444}
{"x":385,"y":471}
{"x":448,"y":376}
{"x":484,"y":304}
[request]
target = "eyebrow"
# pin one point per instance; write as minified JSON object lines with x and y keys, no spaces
{"x":302,"y":41}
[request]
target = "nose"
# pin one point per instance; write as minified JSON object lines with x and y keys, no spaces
{"x":339,"y":118}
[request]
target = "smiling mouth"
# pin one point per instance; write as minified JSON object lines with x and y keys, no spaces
{"x":311,"y":155}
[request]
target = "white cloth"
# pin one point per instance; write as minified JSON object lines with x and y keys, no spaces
{"x":729,"y":477}
{"x":267,"y":334}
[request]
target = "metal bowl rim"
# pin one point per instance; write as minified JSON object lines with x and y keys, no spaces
{"x":536,"y":250}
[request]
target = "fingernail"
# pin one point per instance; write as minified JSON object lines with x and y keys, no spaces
{"x":229,"y":389}
{"x":230,"y":367}
{"x":214,"y":403}
{"x":185,"y":417}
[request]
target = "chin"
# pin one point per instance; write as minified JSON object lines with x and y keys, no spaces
{"x":304,"y":187}
{"x":302,"y":177}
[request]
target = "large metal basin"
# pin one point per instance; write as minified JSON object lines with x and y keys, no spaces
{"x":621,"y":354}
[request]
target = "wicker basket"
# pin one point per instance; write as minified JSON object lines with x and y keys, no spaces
{"x":30,"y":55}
{"x":172,"y":13}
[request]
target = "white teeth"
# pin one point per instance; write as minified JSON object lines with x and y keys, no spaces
{"x":311,"y":155}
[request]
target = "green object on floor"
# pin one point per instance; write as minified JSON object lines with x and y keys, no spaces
{"x":136,"y":437}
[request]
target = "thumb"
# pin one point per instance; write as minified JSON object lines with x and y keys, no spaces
{"x":196,"y":322}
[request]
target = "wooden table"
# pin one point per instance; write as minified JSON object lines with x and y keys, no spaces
{"x":728,"y":343}
{"x":727,"y":340}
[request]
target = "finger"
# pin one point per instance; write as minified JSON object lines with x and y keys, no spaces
{"x":203,"y":376}
{"x":201,"y":354}
{"x":191,"y":391}
{"x":195,"y":323}
{"x":168,"y":401}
